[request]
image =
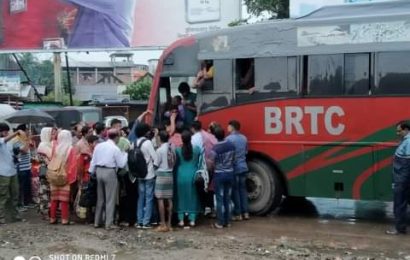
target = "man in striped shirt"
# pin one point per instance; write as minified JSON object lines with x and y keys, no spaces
{"x":21,"y":148}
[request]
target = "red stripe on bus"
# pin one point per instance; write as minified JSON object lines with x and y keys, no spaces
{"x":357,"y":185}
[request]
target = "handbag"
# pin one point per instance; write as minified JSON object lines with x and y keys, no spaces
{"x":202,"y":175}
{"x":42,"y":171}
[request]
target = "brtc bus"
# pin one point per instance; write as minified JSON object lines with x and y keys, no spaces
{"x":323,"y":95}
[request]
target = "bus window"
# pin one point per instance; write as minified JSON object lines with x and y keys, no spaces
{"x":277,"y":76}
{"x":357,"y":74}
{"x":325,"y":75}
{"x":392,"y":73}
{"x":221,"y":94}
{"x":245,"y":74}
{"x":205,"y":77}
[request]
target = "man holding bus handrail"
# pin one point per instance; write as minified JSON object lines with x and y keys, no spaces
{"x":401,"y":179}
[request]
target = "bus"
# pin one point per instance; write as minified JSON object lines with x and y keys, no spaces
{"x":323,"y":97}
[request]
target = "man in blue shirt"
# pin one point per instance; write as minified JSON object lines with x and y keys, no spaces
{"x":222,"y":157}
{"x":102,"y":24}
{"x":401,"y":179}
{"x":239,"y":192}
{"x":9,"y":187}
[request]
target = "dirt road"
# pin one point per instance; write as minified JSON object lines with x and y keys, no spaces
{"x":287,"y":234}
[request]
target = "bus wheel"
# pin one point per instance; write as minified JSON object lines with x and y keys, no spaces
{"x":264,"y":187}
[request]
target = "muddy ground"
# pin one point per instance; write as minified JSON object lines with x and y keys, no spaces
{"x":318,"y":230}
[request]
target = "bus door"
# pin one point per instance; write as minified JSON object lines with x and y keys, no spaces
{"x":181,"y":65}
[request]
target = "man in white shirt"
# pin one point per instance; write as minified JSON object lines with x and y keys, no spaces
{"x":107,"y":158}
{"x":146,"y":186}
{"x":9,"y":187}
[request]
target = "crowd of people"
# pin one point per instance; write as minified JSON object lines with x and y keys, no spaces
{"x":187,"y":172}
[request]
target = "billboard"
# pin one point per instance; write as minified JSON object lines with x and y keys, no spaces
{"x":28,"y":25}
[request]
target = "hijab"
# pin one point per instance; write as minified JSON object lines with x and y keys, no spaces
{"x":45,"y":146}
{"x":64,"y":143}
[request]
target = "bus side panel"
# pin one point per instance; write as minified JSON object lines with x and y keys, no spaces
{"x":326,"y":147}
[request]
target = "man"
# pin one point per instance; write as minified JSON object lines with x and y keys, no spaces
{"x":21,"y":147}
{"x":82,"y":145}
{"x":123,"y":143}
{"x":107,"y":158}
{"x":401,"y":179}
{"x":223,"y":155}
{"x":99,"y":129}
{"x":239,"y":193}
{"x":9,"y":186}
{"x":146,"y":186}
{"x":188,"y":102}
{"x":200,"y":138}
{"x":102,"y":24}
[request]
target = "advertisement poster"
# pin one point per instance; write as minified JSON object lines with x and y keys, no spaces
{"x":108,"y":24}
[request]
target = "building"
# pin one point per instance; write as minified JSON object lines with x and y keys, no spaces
{"x":101,"y":81}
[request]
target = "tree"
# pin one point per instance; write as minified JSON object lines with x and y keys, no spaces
{"x":276,"y":8}
{"x":140,"y":89}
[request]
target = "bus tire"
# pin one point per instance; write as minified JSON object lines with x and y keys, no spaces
{"x":264,"y":187}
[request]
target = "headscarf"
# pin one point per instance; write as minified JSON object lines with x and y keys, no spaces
{"x":45,"y":146}
{"x":64,"y":143}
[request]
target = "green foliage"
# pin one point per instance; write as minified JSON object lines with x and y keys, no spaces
{"x":66,"y":99}
{"x":276,"y":8}
{"x":140,"y":89}
{"x":40,"y":73}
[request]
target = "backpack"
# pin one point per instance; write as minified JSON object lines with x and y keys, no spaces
{"x":56,"y":174}
{"x":171,"y":156}
{"x":136,"y":161}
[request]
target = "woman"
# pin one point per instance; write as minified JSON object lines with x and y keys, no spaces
{"x":44,"y":152}
{"x":187,"y":202}
{"x":61,"y":194}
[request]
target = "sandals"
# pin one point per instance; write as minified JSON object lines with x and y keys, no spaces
{"x":53,"y":221}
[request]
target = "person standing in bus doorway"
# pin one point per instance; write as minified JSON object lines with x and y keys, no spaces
{"x":401,"y":179}
{"x":239,"y":193}
{"x":188,"y":101}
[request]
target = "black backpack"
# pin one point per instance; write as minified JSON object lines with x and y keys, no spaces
{"x":136,"y":161}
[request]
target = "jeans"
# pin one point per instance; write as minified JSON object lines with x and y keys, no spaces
{"x":400,"y":199}
{"x":25,"y":197}
{"x":9,"y":195}
{"x":145,"y":201}
{"x":223,"y":192}
{"x":240,"y":194}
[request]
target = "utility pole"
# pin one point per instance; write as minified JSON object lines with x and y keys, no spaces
{"x":70,"y":92}
{"x":58,"y":90}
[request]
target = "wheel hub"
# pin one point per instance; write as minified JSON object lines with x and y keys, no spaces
{"x":254,"y":186}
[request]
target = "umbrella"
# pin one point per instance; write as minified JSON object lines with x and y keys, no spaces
{"x":29,"y":116}
{"x":6,"y":110}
